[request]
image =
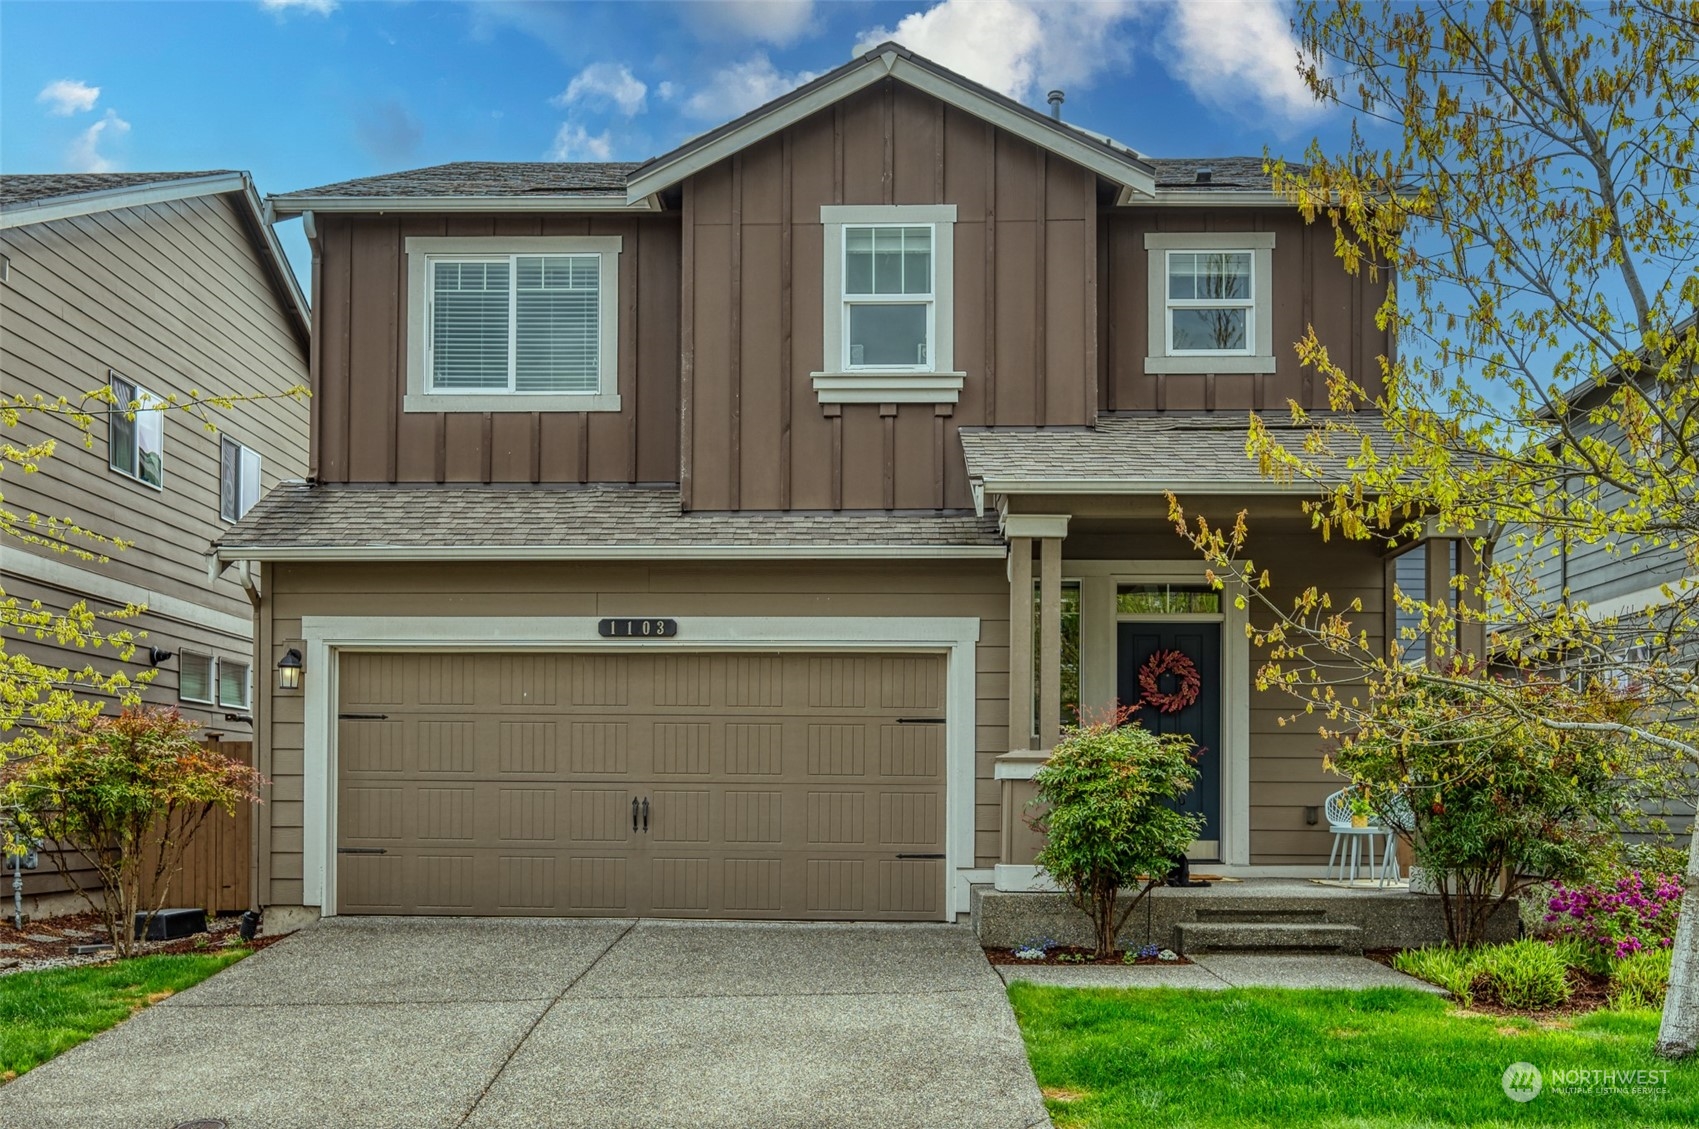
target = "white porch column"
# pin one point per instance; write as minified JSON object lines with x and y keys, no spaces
{"x":1020,"y":643}
{"x":1050,"y":645}
{"x":1045,"y":724}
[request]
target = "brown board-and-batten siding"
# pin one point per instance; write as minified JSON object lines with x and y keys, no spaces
{"x":755,"y":436}
{"x":361,"y":432}
{"x":970,"y":589}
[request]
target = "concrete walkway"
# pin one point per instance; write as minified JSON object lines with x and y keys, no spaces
{"x":1224,"y":970}
{"x":420,"y":1023}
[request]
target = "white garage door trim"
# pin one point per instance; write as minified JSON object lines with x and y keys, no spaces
{"x":326,"y":636}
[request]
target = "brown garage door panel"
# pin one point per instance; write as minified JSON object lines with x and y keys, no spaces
{"x":782,"y":786}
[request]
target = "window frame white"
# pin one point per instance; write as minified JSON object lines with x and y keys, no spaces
{"x":120,"y":415}
{"x":937,"y":381}
{"x":211,"y":699}
{"x":1172,"y":304}
{"x":423,"y":251}
{"x":1258,"y":355}
{"x":850,"y":301}
{"x":242,"y":453}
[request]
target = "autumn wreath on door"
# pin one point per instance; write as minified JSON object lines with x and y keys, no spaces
{"x":1150,"y":681}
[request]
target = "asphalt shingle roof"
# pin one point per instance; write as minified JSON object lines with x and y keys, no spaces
{"x":297,"y":516}
{"x":485,"y":178}
{"x":1157,"y":452}
{"x":33,"y":188}
{"x":1225,"y":172}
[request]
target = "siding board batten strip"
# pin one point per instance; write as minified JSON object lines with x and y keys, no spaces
{"x":990,"y":281}
{"x":734,"y":469}
{"x":1090,"y":311}
{"x":537,"y":447}
{"x":837,"y":456}
{"x":887,"y":112}
{"x":835,"y":411}
{"x":631,"y":344}
{"x":1040,"y":301}
{"x":786,"y":361}
{"x":315,"y":363}
{"x":1308,"y":291}
{"x":939,"y":444}
{"x":582,"y":419}
{"x":488,"y":454}
{"x":888,"y":417}
{"x":687,"y":347}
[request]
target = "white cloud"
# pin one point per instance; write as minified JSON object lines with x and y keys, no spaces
{"x":64,"y":97}
{"x":317,"y":7}
{"x":666,"y":91}
{"x":739,"y":88}
{"x":1236,"y":51}
{"x":575,"y":143}
{"x":1017,"y":47}
{"x":779,"y":22}
{"x":85,"y":155}
{"x":605,"y":84}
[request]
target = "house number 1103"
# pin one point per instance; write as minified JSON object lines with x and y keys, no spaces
{"x":638,"y":628}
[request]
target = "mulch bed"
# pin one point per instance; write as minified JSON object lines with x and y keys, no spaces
{"x":1591,"y":992}
{"x":47,"y":942}
{"x":1065,"y":956}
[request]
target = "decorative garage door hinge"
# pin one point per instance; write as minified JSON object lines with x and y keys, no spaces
{"x":920,"y":856}
{"x":362,"y":717}
{"x":920,"y":721}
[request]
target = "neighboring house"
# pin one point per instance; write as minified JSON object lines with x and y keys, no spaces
{"x":674,"y":532}
{"x":152,"y":284}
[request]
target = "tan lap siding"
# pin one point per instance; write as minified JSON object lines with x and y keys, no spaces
{"x":964,"y":589}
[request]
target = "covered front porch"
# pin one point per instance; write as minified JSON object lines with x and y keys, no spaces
{"x":1110,"y":606}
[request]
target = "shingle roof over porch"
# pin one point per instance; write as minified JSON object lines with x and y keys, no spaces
{"x":297,"y":521}
{"x":1142,"y":454}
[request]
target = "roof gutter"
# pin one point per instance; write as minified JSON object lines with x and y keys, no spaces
{"x":1220,"y":198}
{"x":342,"y":553}
{"x":1133,"y":487}
{"x":284,"y":207}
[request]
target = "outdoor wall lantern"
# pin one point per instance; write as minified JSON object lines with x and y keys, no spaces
{"x":289,"y":670}
{"x":157,"y":655}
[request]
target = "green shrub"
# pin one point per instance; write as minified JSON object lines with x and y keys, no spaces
{"x":1107,"y":795}
{"x":1524,"y":974}
{"x":1451,"y":969}
{"x":1640,"y":980}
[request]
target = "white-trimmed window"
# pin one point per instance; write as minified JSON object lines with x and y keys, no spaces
{"x":238,"y":479}
{"x":135,"y":433}
{"x":888,"y":314}
{"x":196,"y":674}
{"x":517,"y":324}
{"x":1211,"y":302}
{"x":233,"y":684}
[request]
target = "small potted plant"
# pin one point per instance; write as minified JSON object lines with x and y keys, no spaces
{"x":1360,"y":810}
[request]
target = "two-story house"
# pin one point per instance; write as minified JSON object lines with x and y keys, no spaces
{"x":154,"y":285}
{"x":730,"y":534}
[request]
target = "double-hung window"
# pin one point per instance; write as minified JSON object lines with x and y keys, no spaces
{"x":889,"y":309}
{"x":887,"y":331}
{"x":523,"y":324}
{"x":135,"y":434}
{"x":1211,"y":308}
{"x":1211,"y":302}
{"x":238,"y":479}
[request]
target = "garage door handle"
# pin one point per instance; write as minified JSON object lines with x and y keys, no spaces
{"x":645,"y":814}
{"x":634,"y":813}
{"x":362,"y":717}
{"x":361,"y":851}
{"x":920,"y":721}
{"x":920,"y":856}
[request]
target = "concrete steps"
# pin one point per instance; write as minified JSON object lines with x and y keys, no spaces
{"x":1267,"y":936}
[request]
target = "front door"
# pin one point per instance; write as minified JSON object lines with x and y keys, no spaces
{"x":1140,"y":643}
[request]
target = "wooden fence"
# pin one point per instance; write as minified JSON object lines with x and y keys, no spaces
{"x":216,"y":863}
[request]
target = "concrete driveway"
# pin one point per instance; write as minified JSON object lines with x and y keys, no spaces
{"x":419,"y":1023}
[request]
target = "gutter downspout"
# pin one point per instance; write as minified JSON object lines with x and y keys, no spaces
{"x":244,"y":574}
{"x":310,"y":228}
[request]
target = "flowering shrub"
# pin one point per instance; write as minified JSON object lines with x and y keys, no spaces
{"x":1638,"y":912}
{"x":1036,"y":949}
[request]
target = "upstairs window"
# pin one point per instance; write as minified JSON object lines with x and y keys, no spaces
{"x":1211,"y":302}
{"x":135,"y":436}
{"x":888,"y":317}
{"x":522,"y":324}
{"x":238,"y":479}
{"x":1210,"y":305}
{"x":888,"y":297}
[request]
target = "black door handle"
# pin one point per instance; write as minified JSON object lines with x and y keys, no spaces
{"x":634,"y":813}
{"x":645,"y":814}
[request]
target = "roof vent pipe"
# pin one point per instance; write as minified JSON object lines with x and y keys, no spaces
{"x":1056,"y":98}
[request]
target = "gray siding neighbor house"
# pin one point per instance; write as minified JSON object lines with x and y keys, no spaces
{"x":729,"y":534}
{"x":152,"y":284}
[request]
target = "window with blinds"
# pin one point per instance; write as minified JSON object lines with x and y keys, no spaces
{"x":516,"y":323}
{"x":238,"y":479}
{"x":232,"y":684}
{"x":194,"y":677}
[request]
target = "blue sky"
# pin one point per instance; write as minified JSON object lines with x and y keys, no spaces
{"x":305,"y":92}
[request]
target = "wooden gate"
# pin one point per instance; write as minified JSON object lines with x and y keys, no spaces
{"x":216,"y":863}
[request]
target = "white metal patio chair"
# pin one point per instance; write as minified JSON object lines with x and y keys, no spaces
{"x":1348,"y":840}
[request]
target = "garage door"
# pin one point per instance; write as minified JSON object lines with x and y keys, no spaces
{"x":623,"y":784}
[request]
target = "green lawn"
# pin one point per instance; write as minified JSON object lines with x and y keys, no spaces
{"x":46,"y":1013}
{"x":1145,"y":1058}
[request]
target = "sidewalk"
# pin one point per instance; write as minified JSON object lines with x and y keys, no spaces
{"x":1223,"y":970}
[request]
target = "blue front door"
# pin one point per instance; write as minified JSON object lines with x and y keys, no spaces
{"x":1201,"y":720}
